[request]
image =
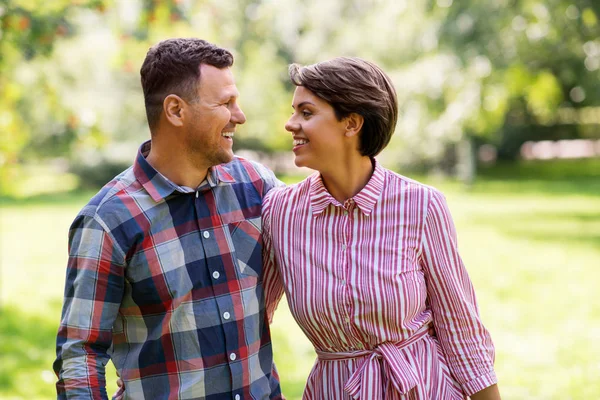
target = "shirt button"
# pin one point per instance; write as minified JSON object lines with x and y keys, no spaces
{"x":347,"y":319}
{"x":343,"y":281}
{"x":206,"y":235}
{"x":216,"y":274}
{"x":232,"y":356}
{"x":237,"y":397}
{"x":226,"y":315}
{"x":344,"y":247}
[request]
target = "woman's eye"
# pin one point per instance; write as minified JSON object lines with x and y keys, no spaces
{"x":306,"y":114}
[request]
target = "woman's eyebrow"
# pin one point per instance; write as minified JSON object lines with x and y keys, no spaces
{"x":303,"y":104}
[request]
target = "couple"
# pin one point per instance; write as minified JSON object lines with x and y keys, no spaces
{"x":177,"y":265}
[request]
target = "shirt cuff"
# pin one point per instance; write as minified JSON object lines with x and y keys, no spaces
{"x":480,"y":383}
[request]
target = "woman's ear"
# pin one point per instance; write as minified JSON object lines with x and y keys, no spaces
{"x":354,"y":124}
{"x":173,"y":107}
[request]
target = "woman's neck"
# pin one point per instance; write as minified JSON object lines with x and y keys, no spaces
{"x":348,"y":178}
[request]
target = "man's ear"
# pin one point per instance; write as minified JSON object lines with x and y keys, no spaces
{"x":173,"y":106}
{"x":354,"y":123}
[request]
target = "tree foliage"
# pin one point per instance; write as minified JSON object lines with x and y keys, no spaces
{"x":69,"y":80}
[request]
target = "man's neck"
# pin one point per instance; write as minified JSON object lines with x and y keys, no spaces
{"x":175,"y":165}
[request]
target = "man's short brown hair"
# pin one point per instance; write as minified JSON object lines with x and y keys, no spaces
{"x":354,"y":85}
{"x":173,"y":67}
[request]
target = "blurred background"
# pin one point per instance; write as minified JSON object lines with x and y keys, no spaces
{"x":500,"y":109}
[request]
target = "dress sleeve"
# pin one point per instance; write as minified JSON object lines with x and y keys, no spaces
{"x":93,"y":292}
{"x":466,"y":343}
{"x":272,"y":281}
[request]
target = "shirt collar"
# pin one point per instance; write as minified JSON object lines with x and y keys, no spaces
{"x":218,"y":173}
{"x":365,"y":200}
{"x":159,"y":186}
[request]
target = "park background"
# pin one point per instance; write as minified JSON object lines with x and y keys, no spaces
{"x":500,"y":108}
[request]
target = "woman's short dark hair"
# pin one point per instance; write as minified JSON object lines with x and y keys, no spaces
{"x":173,"y":67}
{"x":354,"y":85}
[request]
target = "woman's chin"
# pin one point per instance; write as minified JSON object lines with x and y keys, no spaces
{"x":304,"y":162}
{"x":299,"y":162}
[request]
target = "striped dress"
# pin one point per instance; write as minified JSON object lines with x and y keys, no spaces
{"x":365,"y":279}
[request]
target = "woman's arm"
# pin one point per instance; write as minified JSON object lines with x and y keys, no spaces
{"x":272,"y":282}
{"x":466,"y":343}
{"x":489,"y":393}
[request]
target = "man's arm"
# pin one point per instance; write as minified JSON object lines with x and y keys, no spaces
{"x":93,"y":293}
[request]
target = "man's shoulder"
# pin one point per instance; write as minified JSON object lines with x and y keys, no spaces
{"x":109,"y":198}
{"x":242,"y":169}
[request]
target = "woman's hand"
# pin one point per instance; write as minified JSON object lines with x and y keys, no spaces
{"x":121,"y":392}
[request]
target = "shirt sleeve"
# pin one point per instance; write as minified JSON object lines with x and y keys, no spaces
{"x":272,"y":282}
{"x":466,"y":343}
{"x":93,"y":292}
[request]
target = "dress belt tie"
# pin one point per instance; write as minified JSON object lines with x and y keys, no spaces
{"x":367,"y":380}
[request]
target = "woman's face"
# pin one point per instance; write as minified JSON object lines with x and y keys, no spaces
{"x":318,"y":135}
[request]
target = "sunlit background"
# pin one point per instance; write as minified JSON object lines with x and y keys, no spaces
{"x":500,"y":108}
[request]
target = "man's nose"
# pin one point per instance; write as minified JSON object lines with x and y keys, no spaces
{"x":238,"y":116}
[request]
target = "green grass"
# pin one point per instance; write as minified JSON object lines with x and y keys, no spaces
{"x":532,"y":247}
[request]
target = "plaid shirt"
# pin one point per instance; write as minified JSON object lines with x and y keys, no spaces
{"x":166,"y":281}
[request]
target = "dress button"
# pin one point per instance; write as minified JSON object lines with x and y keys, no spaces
{"x":232,"y":356}
{"x":216,"y":274}
{"x":226,"y":315}
{"x":206,"y":235}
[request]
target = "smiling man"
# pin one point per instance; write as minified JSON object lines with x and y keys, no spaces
{"x":165,"y":267}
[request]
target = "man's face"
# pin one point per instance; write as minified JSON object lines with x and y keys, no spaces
{"x":209,"y":131}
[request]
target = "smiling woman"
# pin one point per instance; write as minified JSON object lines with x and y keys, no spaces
{"x":368,"y":258}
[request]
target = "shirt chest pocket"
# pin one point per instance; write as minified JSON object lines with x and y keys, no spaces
{"x":246,"y":237}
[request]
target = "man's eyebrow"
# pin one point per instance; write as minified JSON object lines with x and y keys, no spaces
{"x":303,"y":104}
{"x":230,"y":96}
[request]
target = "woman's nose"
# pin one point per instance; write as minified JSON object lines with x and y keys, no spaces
{"x":290,"y":126}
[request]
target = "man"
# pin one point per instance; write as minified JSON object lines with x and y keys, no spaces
{"x":164,"y":271}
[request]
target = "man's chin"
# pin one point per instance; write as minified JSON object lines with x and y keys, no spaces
{"x":226,"y":157}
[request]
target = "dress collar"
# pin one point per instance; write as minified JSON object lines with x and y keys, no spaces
{"x":366,"y":199}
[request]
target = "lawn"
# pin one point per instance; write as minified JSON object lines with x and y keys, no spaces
{"x":531,"y":244}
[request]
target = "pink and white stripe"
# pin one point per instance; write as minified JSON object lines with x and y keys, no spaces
{"x":363,"y":279}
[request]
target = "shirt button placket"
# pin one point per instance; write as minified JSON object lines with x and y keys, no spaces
{"x":351,"y":207}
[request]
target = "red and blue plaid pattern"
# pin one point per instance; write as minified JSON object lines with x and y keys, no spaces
{"x":166,"y":281}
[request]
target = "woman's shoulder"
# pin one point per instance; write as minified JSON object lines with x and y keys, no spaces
{"x":280,"y":197}
{"x":287,"y":192}
{"x":410,"y":185}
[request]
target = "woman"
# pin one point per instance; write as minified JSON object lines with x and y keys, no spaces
{"x":367,"y":257}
